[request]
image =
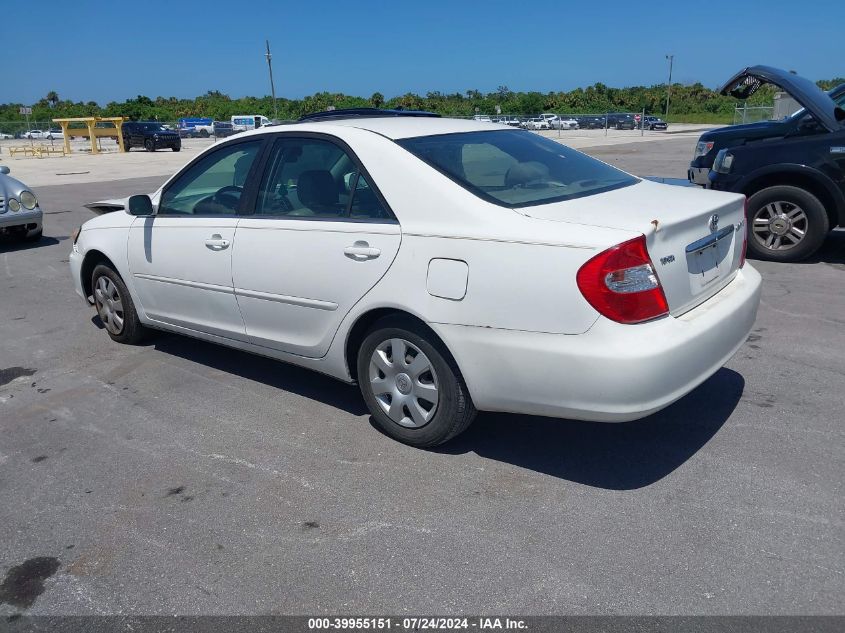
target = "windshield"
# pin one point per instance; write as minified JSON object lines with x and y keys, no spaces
{"x":515,"y":168}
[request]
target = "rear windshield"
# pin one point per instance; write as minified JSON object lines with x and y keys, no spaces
{"x":516,"y":168}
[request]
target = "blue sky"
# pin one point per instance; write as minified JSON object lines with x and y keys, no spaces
{"x":183,"y":48}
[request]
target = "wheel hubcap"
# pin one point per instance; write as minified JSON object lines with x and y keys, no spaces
{"x":404,"y":383}
{"x":779,"y":226}
{"x":109,"y":304}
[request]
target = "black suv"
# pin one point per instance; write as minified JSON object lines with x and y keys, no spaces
{"x":652,"y":123}
{"x":621,"y":121}
{"x":150,"y":135}
{"x":794,"y":180}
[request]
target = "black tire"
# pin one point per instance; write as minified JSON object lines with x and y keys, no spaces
{"x":454,"y":410}
{"x":203,"y":133}
{"x":126,"y":146}
{"x":35,"y":237}
{"x":176,"y":149}
{"x":131,"y":331}
{"x":149,"y":145}
{"x":815,"y":227}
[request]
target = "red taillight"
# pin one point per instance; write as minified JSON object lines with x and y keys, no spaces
{"x":622,"y":285}
{"x":744,"y":233}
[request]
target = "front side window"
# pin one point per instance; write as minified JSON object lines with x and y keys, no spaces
{"x":516,"y":168}
{"x":314,"y":178}
{"x":213,"y":185}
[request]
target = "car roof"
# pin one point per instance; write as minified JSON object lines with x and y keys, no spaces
{"x":394,"y":128}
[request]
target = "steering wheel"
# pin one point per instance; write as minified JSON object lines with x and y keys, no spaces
{"x":225,"y":196}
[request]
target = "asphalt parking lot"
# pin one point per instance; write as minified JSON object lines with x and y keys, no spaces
{"x":179,"y":477}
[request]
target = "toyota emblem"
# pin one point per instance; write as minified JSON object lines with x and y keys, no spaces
{"x":714,"y":222}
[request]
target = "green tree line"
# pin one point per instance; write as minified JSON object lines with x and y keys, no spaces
{"x":694,"y":103}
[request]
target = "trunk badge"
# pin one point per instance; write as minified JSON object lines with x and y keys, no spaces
{"x":714,"y":222}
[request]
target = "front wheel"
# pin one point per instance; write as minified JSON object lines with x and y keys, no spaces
{"x":411,"y":385}
{"x":176,"y":149}
{"x":115,"y":307}
{"x":785,"y":224}
{"x":149,"y":146}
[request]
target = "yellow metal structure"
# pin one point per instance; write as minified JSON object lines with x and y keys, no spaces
{"x":39,"y":151}
{"x":92,"y":131}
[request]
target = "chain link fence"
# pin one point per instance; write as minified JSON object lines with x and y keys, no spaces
{"x":752,"y":114}
{"x":567,"y":125}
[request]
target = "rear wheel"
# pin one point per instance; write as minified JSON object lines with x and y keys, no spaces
{"x":114,"y":306}
{"x":785,"y":224}
{"x":411,"y":384}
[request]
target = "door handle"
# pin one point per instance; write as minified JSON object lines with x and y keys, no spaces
{"x":217,"y":243}
{"x":361,"y":251}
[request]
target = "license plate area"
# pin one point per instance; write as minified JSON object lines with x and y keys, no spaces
{"x":707,"y":263}
{"x":709,"y":259}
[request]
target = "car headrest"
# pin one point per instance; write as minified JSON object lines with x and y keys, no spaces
{"x":317,"y":187}
{"x":523,"y":173}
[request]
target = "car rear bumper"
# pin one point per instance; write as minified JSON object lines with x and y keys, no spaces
{"x":611,"y":373}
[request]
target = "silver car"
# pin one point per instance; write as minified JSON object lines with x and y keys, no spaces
{"x":20,"y":215}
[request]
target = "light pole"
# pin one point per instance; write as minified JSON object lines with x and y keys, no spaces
{"x":671,"y":58}
{"x":272,"y":87}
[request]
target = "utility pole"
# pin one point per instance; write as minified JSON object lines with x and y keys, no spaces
{"x":272,"y":86}
{"x":671,"y":58}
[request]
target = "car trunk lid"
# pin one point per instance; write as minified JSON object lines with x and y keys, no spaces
{"x":694,"y":237}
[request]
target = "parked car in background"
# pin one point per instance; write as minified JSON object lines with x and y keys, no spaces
{"x":34,"y":134}
{"x":795,"y":183}
{"x":241,"y":122}
{"x":150,"y":135}
{"x":3,"y":135}
{"x":512,"y":121}
{"x":312,"y":243}
{"x":653,"y":123}
{"x":54,"y":133}
{"x":567,"y":123}
{"x":222,"y":129}
{"x":195,"y":127}
{"x":483,"y":118}
{"x":536,"y":123}
{"x":621,"y":121}
{"x":591,"y":122}
{"x":551,"y":119}
{"x":20,"y":216}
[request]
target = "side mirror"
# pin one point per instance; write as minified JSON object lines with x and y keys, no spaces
{"x":4,"y":169}
{"x":140,"y":205}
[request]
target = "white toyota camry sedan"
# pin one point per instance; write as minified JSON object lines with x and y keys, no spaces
{"x":446,"y":266}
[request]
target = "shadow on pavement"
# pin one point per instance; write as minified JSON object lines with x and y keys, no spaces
{"x":273,"y":373}
{"x":615,"y":456}
{"x":11,"y":244}
{"x":831,"y":252}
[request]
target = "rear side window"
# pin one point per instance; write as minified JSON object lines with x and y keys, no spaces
{"x":515,"y":168}
{"x":314,"y":178}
